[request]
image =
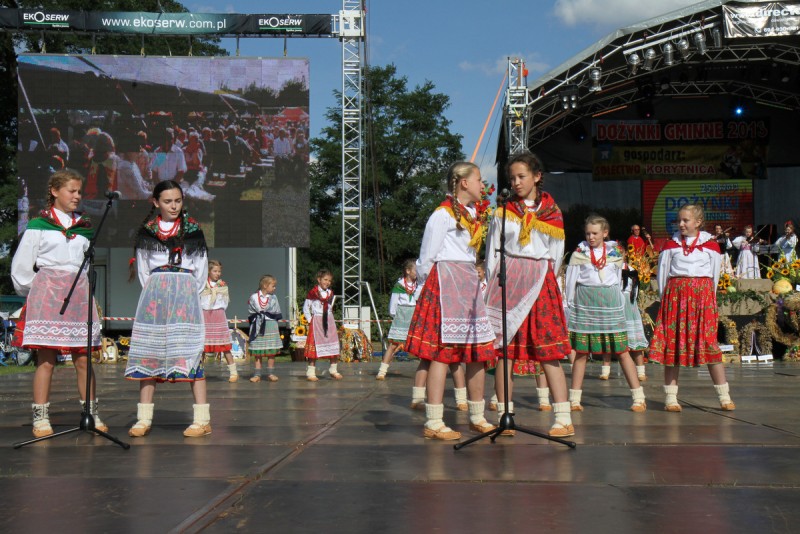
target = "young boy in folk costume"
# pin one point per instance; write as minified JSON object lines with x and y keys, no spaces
{"x":168,"y":332}
{"x":323,"y":338}
{"x":596,"y":309}
{"x":449,"y":325}
{"x":214,"y":300}
{"x":534,"y":230}
{"x":265,"y":338}
{"x":401,"y":308}
{"x":48,"y":257}
{"x":685,"y":334}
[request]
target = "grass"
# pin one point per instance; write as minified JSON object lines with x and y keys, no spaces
{"x":12,"y":369}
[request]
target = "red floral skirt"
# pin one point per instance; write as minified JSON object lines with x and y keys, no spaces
{"x":686,"y":329}
{"x":424,"y":335}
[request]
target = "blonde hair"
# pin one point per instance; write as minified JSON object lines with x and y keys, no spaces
{"x":694,"y":209}
{"x":458,"y":171}
{"x":214,"y":263}
{"x":58,"y":180}
{"x":599,"y":220}
{"x":266,"y":279}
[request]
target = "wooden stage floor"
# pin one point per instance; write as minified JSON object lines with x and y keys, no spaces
{"x":349,"y":456}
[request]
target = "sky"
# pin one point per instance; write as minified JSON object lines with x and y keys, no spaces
{"x":461,"y":46}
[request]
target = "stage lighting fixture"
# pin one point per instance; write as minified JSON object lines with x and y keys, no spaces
{"x":669,"y":54}
{"x":700,"y":42}
{"x":594,"y":78}
{"x":573,"y":101}
{"x":565,"y":101}
{"x":683,"y":47}
{"x":569,"y":97}
{"x":649,"y":59}
{"x":716,"y":38}
{"x":738,"y":108}
{"x":633,"y":62}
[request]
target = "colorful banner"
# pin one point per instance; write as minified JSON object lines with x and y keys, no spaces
{"x":726,"y":202}
{"x":761,"y":19}
{"x":654,"y":150}
{"x":283,"y":24}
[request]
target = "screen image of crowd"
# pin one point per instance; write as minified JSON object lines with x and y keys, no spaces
{"x":243,"y":171}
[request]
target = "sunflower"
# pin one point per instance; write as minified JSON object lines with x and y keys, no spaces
{"x":300,"y":330}
{"x":785,"y":272}
{"x":631,"y":248}
{"x":776,"y":266}
{"x":303,"y":319}
{"x":770,"y":274}
{"x":795,"y":264}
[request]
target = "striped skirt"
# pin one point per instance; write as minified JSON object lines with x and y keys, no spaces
{"x":168,"y":333}
{"x":268,"y":344}
{"x":218,"y":337}
{"x":398,"y":332}
{"x":320,"y":344}
{"x":686,"y":328}
{"x":597,"y":321}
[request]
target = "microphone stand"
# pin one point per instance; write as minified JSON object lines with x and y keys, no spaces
{"x":507,"y":419}
{"x":87,"y":420}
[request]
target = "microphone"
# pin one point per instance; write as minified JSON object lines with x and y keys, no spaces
{"x":113,"y":195}
{"x":503,"y":195}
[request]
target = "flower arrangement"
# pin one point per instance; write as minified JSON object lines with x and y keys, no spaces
{"x":725,"y":283}
{"x":484,"y":210}
{"x":784,"y":270}
{"x":645,"y":264}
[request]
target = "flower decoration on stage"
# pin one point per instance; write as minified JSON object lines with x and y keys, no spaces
{"x":301,"y":330}
{"x":784,"y":270}
{"x":484,"y":210}
{"x":725,"y":283}
{"x":645,"y":264}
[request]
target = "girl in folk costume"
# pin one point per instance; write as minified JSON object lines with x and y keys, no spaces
{"x":168,"y":333}
{"x":637,"y":341}
{"x":265,"y":338}
{"x":323,"y":339}
{"x":401,"y":308}
{"x":787,"y":242}
{"x":49,"y":255}
{"x":747,"y":265}
{"x":450,"y":324}
{"x":723,"y":241}
{"x":597,"y":322}
{"x":214,"y":300}
{"x":686,"y":329}
{"x":536,"y":331}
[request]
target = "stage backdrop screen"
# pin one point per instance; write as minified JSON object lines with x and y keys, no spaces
{"x":232,"y":131}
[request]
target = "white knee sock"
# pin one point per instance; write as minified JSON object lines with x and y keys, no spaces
{"x":144,"y":414}
{"x":383,"y":369}
{"x":202,"y":415}
{"x":476,"y":411}
{"x":311,"y":371}
{"x":41,"y":415}
{"x":562,"y":411}
{"x":605,"y":370}
{"x":672,"y":395}
{"x":575,"y":396}
{"x":640,"y":370}
{"x":723,"y":392}
{"x":544,"y":396}
{"x":434,"y":413}
{"x":501,"y":409}
{"x":638,"y":395}
{"x":461,"y":395}
{"x":418,"y":394}
{"x":334,"y":369}
{"x":233,"y":370}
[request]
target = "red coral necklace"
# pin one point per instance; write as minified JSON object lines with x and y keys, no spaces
{"x":599,"y":264}
{"x":166,"y":234}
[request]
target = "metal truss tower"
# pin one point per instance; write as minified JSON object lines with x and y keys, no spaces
{"x":351,"y":33}
{"x":516,"y":109}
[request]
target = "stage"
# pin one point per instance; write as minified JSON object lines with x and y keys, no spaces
{"x":348,"y":456}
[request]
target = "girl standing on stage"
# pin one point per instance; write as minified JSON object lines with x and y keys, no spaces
{"x":214,"y":300}
{"x":48,"y":257}
{"x":597,"y":323}
{"x":787,"y":242}
{"x":686,"y":329}
{"x":265,"y":338}
{"x":168,"y":333}
{"x":747,"y":264}
{"x":449,"y":325}
{"x":323,"y":338}
{"x":535,"y":315}
{"x":401,"y":308}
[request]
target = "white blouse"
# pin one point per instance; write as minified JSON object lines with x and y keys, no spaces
{"x":148,"y":260}
{"x":700,"y":263}
{"x":272,"y":305}
{"x":586,"y":274}
{"x":400,"y":299}
{"x":540,"y":247}
{"x":443,"y":241}
{"x":220,"y":302}
{"x":314,"y":307}
{"x":46,"y":248}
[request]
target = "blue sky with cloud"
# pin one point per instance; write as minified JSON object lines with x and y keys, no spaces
{"x":461,"y":46}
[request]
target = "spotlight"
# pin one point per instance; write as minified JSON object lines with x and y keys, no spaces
{"x":569,"y":97}
{"x":633,"y":62}
{"x":738,"y":108}
{"x":565,"y":101}
{"x":700,"y":42}
{"x":716,"y":38}
{"x":649,"y":59}
{"x":594,"y":78}
{"x":573,"y":101}
{"x":669,"y":54}
{"x":683,"y":47}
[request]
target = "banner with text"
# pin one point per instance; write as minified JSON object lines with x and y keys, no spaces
{"x":282,"y":24}
{"x":762,"y":19}
{"x":726,"y":202}
{"x":654,"y":150}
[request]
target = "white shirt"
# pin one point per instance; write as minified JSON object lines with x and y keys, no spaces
{"x":541,"y":246}
{"x":587,"y":274}
{"x":443,"y":241}
{"x":167,"y":165}
{"x":700,"y":263}
{"x":220,"y":303}
{"x":129,"y":181}
{"x":314,"y":307}
{"x":272,"y":305}
{"x":147,"y":260}
{"x":400,"y":299}
{"x":282,"y":147}
{"x":787,"y":244}
{"x":46,"y":248}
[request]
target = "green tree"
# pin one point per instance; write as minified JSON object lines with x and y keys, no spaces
{"x":408,"y":148}
{"x":67,"y":43}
